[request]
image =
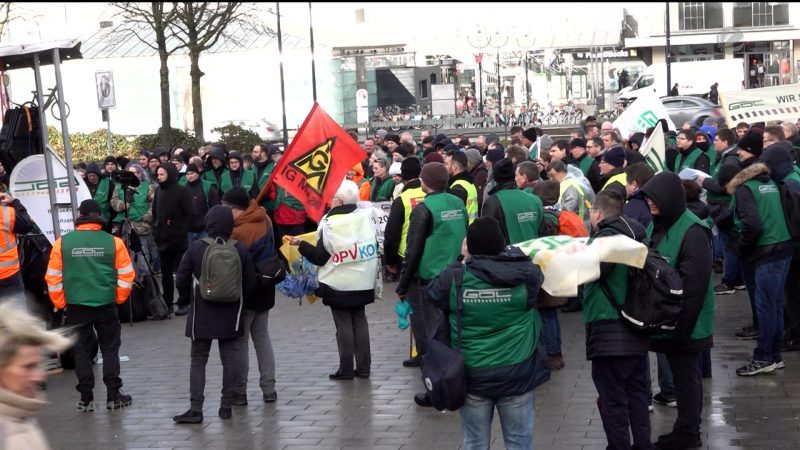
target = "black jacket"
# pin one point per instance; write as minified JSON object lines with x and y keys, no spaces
{"x":701,"y":163}
{"x":459,"y":191}
{"x":492,"y":208}
{"x":172,"y":210}
{"x":200,"y":204}
{"x":607,"y":338}
{"x":593,"y":174}
{"x":394,"y":227}
{"x":636,"y":208}
{"x":318,"y":256}
{"x":510,"y":268}
{"x":213,"y":320}
{"x":480,"y":176}
{"x":694,"y":261}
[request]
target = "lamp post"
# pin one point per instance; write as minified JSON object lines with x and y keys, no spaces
{"x":525,"y":43}
{"x":479,"y":41}
{"x":498,"y":41}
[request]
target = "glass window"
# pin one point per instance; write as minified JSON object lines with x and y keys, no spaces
{"x":760,"y":14}
{"x":742,"y":14}
{"x":780,"y":14}
{"x":691,"y":16}
{"x":423,"y":89}
{"x":713,"y":15}
{"x":644,"y":81}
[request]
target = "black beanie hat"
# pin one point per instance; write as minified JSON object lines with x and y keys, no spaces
{"x":235,"y":155}
{"x":192,"y":168}
{"x":530,"y":134}
{"x":484,"y":237}
{"x":752,"y":142}
{"x":410,"y":168}
{"x":89,"y":207}
{"x":236,"y":197}
{"x":110,"y":159}
{"x":435,"y":176}
{"x":726,"y":173}
{"x":392,"y":137}
{"x":503,"y":170}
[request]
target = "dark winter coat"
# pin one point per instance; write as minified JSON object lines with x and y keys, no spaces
{"x":213,"y":320}
{"x":200,"y":203}
{"x":636,"y":208}
{"x":319,"y":256}
{"x":172,"y":210}
{"x":480,"y":176}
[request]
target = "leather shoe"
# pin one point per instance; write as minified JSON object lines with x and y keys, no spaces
{"x":361,"y":374}
{"x":790,"y":346}
{"x":340,"y":376}
{"x":413,"y":362}
{"x":271,"y":397}
{"x":225,"y":413}
{"x":422,"y":399}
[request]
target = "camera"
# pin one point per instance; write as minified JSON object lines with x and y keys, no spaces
{"x":125,"y":178}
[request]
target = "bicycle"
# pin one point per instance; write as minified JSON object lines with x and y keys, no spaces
{"x":51,"y":101}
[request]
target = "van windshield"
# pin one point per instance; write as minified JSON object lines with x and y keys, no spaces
{"x":644,"y":81}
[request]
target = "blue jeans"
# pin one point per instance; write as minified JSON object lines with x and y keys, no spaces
{"x":732,"y":271}
{"x":770,"y":278}
{"x":551,"y":330}
{"x":516,"y":421}
{"x":665,"y":383}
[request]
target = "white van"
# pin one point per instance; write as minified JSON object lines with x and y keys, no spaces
{"x":693,"y":78}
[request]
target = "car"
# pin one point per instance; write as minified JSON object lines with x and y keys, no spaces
{"x":265,"y":129}
{"x":687,"y":108}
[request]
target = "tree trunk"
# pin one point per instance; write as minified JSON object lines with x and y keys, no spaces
{"x":197,"y":102}
{"x":166,"y":119}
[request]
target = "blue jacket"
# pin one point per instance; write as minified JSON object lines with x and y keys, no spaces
{"x":637,"y":209}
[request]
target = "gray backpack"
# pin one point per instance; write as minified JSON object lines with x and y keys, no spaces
{"x":221,"y":274}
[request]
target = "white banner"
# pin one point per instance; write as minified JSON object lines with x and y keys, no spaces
{"x":380,"y":215}
{"x":642,"y":114}
{"x":654,"y":150}
{"x":29,"y":184}
{"x":761,"y":105}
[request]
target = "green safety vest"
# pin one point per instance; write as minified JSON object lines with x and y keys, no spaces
{"x":101,"y":197}
{"x":586,"y":164}
{"x":90,"y":273}
{"x":410,"y":198}
{"x":449,"y":229}
{"x":472,"y":198}
{"x":681,"y":164}
{"x":523,"y":214}
{"x":139,"y":207}
{"x":711,"y":153}
{"x":618,"y":178}
{"x":596,"y":306}
{"x":669,"y":248}
{"x":382,"y":191}
{"x":770,"y":211}
{"x":497,"y":329}
{"x":246,"y":181}
{"x":209,"y":176}
{"x":269,"y":205}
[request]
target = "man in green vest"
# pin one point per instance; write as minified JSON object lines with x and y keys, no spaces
{"x":101,"y":188}
{"x":437,"y":227}
{"x":689,"y":156}
{"x":497,"y":288}
{"x":685,"y":242}
{"x":620,"y":366}
{"x":215,"y":167}
{"x":263,"y":165}
{"x":519,"y":213}
{"x":396,"y":231}
{"x":138,"y":201}
{"x":236,"y":175}
{"x":588,"y":165}
{"x":461,"y":182}
{"x":91,"y":273}
{"x":765,"y":246}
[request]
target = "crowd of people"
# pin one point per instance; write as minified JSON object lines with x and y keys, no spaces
{"x":456,"y":206}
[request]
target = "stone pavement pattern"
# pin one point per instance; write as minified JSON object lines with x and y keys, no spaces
{"x":379,"y":413}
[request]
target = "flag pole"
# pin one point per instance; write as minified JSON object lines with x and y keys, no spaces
{"x":313,"y":65}
{"x":283,"y":89}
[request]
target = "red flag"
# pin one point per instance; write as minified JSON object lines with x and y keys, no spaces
{"x":317,"y":161}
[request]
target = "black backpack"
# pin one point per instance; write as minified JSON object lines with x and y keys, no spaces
{"x":790,"y":200}
{"x":653,"y":302}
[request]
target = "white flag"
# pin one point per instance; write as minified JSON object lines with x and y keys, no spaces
{"x":642,"y":114}
{"x":654,"y":150}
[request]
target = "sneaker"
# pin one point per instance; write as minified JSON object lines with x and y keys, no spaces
{"x":740,"y":287}
{"x":413,"y":362}
{"x":271,"y":397}
{"x":86,"y":404}
{"x":791,"y":345}
{"x":724,"y":289}
{"x":650,"y":408}
{"x":118,"y":400}
{"x":423,"y":400}
{"x":747,"y":333}
{"x":755,"y":367}
{"x":239,"y":400}
{"x":225,"y":413}
{"x":662,"y":400}
{"x":189,"y":417}
{"x":779,"y":364}
{"x":182,"y":311}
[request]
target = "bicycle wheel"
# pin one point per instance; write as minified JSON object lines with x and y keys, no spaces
{"x":549,"y":119}
{"x":56,"y":113}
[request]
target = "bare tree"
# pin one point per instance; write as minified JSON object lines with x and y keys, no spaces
{"x":5,"y":15}
{"x":158,"y":18}
{"x":199,"y":26}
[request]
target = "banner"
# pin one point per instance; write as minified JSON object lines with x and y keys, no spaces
{"x":316,"y":162}
{"x":29,"y":184}
{"x":654,"y":150}
{"x":379,"y":216}
{"x":642,"y":114}
{"x":568,"y":262}
{"x":762,"y":104}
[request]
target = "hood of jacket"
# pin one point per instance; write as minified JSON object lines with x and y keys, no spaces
{"x":779,"y":159}
{"x":172,"y":175}
{"x":758,"y":171}
{"x":219,"y":222}
{"x":666,"y":191}
{"x":510,"y":268}
{"x":611,"y":226}
{"x":253,"y":214}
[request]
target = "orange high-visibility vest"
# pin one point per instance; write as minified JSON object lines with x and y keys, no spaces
{"x":9,"y":257}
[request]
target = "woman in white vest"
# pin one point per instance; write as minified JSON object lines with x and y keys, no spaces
{"x":347,"y":253}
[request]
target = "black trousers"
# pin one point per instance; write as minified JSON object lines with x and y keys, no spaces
{"x":170,"y":260}
{"x":687,"y":376}
{"x":105,"y":321}
{"x":791,"y":292}
{"x":423,"y":314}
{"x":623,"y":385}
{"x":352,"y":339}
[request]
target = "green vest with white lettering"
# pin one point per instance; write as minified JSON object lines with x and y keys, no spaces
{"x":770,"y":211}
{"x":496,"y":328}
{"x":246,"y":181}
{"x":523,"y":214}
{"x":88,"y":255}
{"x":449,"y":229}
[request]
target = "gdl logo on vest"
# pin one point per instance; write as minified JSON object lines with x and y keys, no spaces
{"x":88,"y":252}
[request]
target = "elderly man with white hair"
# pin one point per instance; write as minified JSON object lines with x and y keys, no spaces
{"x":347,"y":253}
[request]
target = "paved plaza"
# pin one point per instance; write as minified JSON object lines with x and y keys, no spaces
{"x":379,"y":413}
